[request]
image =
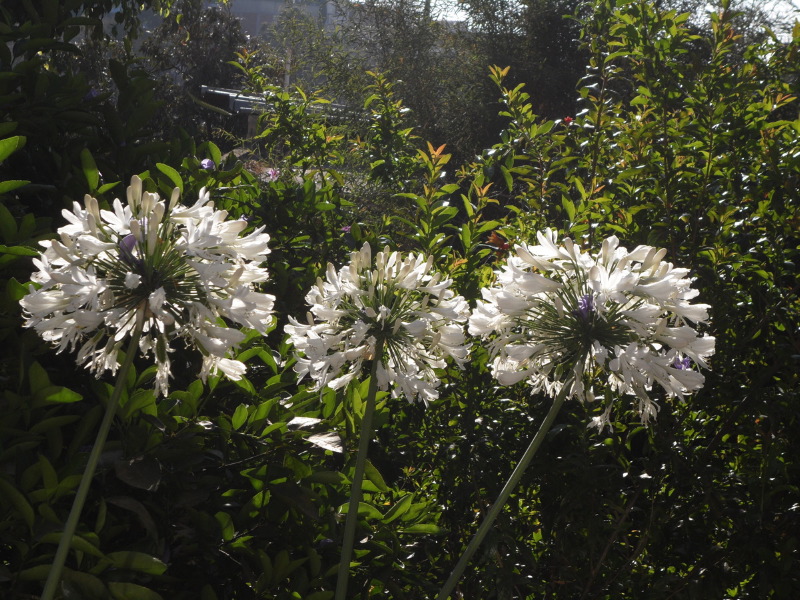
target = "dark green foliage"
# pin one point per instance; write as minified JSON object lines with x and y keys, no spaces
{"x":681,"y":138}
{"x":699,"y":157}
{"x":538,"y":40}
{"x":185,"y":51}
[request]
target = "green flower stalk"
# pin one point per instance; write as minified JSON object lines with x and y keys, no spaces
{"x":395,"y":313}
{"x":564,"y":320}
{"x":146,"y":274}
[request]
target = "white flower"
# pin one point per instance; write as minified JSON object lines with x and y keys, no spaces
{"x":186,"y":270}
{"x":398,"y":300}
{"x":615,"y":319}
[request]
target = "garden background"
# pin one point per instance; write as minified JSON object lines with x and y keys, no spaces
{"x":675,"y":129}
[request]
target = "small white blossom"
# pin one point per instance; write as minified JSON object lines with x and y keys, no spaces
{"x":183,"y":269}
{"x":614,"y":319}
{"x":399,"y":300}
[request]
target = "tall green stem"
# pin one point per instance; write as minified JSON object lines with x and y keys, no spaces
{"x":358,"y":477}
{"x":54,"y":576}
{"x":512,"y":482}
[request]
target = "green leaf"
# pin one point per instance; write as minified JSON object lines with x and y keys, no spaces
{"x":10,"y":145}
{"x":239,"y":417}
{"x":18,"y":251}
{"x":226,"y":525}
{"x":364,"y":510}
{"x":36,"y":573}
{"x":300,"y":468}
{"x":107,"y":186}
{"x":423,"y":528}
{"x":507,"y":177}
{"x":569,"y":206}
{"x":173,"y":175}
{"x":53,"y":422}
{"x":90,"y":170}
{"x":102,"y":514}
{"x":329,"y":477}
{"x":579,"y":185}
{"x":399,"y":509}
{"x":216,"y":154}
{"x":12,"y":184}
{"x":375,"y":477}
{"x":136,"y":561}
{"x":11,"y":495}
{"x":8,"y":225}
{"x":131,"y":591}
{"x":77,"y":543}
{"x":49,"y":475}
{"x":6,"y":128}
{"x":56,"y":394}
{"x":266,"y":564}
{"x":83,"y":586}
{"x":211,"y":107}
{"x":280,"y":568}
{"x":762,"y":273}
{"x":38,"y":377}
{"x":27,"y":226}
{"x":368,"y":510}
{"x":137,"y":508}
{"x":246,"y":385}
{"x":140,"y":400}
{"x":545,"y":128}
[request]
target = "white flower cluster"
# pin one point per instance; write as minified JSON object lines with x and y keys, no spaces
{"x":556,"y":315}
{"x":397,"y":300}
{"x":179,"y":270}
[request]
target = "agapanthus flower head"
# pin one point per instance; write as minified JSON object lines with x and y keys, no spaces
{"x":614,"y":319}
{"x":184,"y":272}
{"x":398,"y":300}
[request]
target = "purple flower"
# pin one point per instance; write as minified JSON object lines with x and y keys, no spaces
{"x":345,"y":229}
{"x":585,"y":307}
{"x":208,"y":164}
{"x":126,"y":247}
{"x":271,"y":174}
{"x":682,"y":364}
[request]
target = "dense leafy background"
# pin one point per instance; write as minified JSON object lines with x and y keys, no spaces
{"x":681,"y":132}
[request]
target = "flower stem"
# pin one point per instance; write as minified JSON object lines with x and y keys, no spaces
{"x":512,"y":482}
{"x":54,"y":575}
{"x":358,"y":477}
